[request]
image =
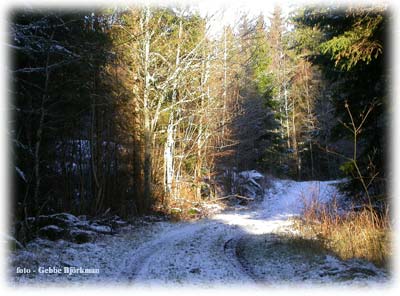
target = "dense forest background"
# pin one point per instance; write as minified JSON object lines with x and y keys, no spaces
{"x":141,"y":109}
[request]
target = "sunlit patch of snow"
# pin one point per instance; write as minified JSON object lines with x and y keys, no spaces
{"x":213,"y":208}
{"x":286,"y":197}
{"x":251,"y":224}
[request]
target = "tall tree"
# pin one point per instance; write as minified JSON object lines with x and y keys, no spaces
{"x":352,"y":57}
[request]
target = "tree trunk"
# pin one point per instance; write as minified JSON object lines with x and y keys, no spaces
{"x":170,"y":143}
{"x":147,"y":168}
{"x":285,"y":95}
{"x":169,"y":156}
{"x":37,"y":156}
{"x":310,"y":119}
{"x":295,"y":146}
{"x":224,"y":93}
{"x":96,"y":189}
{"x":39,"y":134}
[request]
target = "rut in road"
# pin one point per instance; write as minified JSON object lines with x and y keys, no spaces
{"x":194,"y":253}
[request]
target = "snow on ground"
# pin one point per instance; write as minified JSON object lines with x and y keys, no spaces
{"x":286,"y":197}
{"x":107,"y":253}
{"x":246,"y":245}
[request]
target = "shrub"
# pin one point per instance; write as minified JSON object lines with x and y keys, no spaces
{"x":355,"y":234}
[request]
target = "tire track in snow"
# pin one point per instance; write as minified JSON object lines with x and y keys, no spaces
{"x":197,"y":254}
{"x":231,"y":249}
{"x":136,"y":262}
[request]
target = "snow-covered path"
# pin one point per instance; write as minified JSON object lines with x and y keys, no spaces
{"x":229,"y":248}
{"x":252,"y":245}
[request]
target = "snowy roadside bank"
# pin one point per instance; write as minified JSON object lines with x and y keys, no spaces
{"x":107,"y":254}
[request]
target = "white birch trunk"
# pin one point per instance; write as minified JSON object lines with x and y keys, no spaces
{"x":171,"y":129}
{"x":146,"y":109}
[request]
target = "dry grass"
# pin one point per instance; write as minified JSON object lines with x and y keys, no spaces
{"x":186,"y":205}
{"x":363,"y":234}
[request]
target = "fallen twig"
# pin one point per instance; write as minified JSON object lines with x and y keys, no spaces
{"x":233,"y":195}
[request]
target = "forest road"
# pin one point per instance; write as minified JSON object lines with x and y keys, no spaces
{"x":244,"y":246}
{"x":202,"y":252}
